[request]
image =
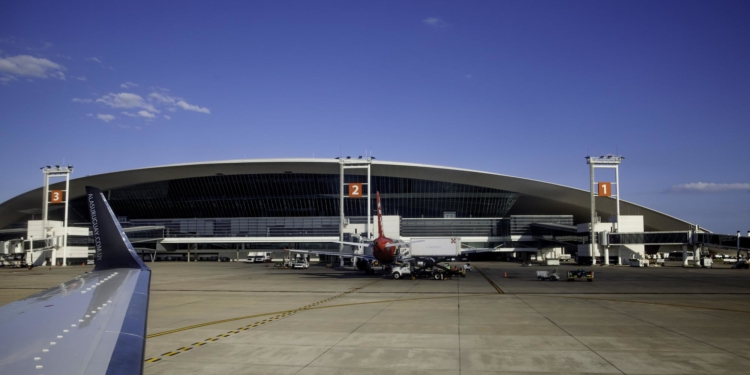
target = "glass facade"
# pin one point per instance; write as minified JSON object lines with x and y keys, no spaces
{"x":298,"y":195}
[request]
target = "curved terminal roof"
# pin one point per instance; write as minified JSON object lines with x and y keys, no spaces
{"x":536,"y":197}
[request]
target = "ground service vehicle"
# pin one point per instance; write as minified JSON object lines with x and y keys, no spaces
{"x":436,"y":247}
{"x":258,"y":256}
{"x":579,"y":274}
{"x":677,"y":255}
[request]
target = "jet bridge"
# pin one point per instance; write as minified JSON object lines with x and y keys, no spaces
{"x":714,"y":240}
{"x":550,"y":235}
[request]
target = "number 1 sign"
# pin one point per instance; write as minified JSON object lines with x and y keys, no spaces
{"x":605,"y":189}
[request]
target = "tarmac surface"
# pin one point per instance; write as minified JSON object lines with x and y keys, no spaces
{"x":237,"y":318}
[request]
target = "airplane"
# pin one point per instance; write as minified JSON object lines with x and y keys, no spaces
{"x":92,"y":324}
{"x":382,"y":249}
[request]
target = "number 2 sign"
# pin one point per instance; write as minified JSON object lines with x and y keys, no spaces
{"x":56,"y":196}
{"x":605,"y":189}
{"x":355,"y":190}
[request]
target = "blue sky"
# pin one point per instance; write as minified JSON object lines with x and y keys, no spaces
{"x":525,"y":88}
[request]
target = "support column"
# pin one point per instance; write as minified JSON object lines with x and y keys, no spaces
{"x":593,"y":215}
{"x":65,"y":221}
{"x":738,"y":245}
{"x":619,"y":255}
{"x":696,"y":256}
{"x":368,"y":227}
{"x":684,"y":256}
{"x":188,"y":246}
{"x":56,"y":240}
{"x":29,"y":256}
{"x":341,"y":204}
{"x":606,"y":255}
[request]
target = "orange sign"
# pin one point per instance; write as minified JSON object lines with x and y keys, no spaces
{"x":355,"y":190}
{"x":56,"y":196}
{"x":605,"y":189}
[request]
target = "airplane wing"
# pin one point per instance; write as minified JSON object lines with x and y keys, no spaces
{"x":334,"y":253}
{"x":358,"y":244}
{"x":474,"y":251}
{"x":403,"y":243}
{"x":92,"y":324}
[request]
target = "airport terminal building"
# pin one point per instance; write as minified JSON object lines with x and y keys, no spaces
{"x":223,"y":207}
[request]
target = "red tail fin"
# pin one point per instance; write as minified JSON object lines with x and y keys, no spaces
{"x":380,"y":216}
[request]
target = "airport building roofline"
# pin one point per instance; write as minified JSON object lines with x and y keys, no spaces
{"x":537,"y":197}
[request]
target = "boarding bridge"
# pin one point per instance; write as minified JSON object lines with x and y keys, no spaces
{"x":710,"y":240}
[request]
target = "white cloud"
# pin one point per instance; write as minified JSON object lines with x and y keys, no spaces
{"x":77,"y":100}
{"x":128,"y":85}
{"x":167,"y":117}
{"x":170,"y":102}
{"x":172,"y":109}
{"x":710,"y":187}
{"x":469,"y":76}
{"x":146,"y":114}
{"x":189,"y":107}
{"x":94,"y":59}
{"x":89,"y":115}
{"x":126,"y":100}
{"x":105,"y":118}
{"x":435,"y":22}
{"x":30,"y":66}
{"x":7,"y":79}
{"x":161,"y":98}
{"x":81,"y":78}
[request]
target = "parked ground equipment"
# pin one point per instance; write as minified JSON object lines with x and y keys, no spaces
{"x":550,"y":275}
{"x":579,"y":274}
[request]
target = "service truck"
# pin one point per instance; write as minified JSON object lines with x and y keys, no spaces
{"x":258,"y":256}
{"x":437,"y":247}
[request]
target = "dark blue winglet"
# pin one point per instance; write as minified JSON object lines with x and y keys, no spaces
{"x":108,"y":234}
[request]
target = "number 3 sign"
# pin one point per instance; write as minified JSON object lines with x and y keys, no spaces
{"x":605,"y":189}
{"x":56,"y":196}
{"x":355,"y":190}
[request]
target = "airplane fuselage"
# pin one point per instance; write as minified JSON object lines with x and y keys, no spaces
{"x":384,"y":255}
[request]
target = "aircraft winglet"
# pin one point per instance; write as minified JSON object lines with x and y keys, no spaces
{"x":108,"y":234}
